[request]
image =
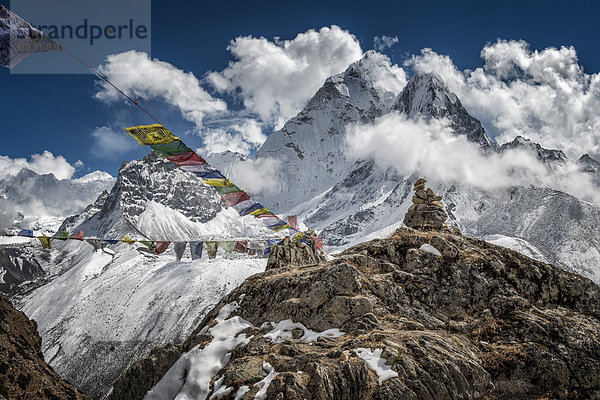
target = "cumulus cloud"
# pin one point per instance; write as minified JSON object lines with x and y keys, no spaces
{"x":142,"y":77}
{"x":432,"y":149}
{"x":241,"y":137}
{"x":275,"y":78}
{"x":380,"y":43}
{"x":257,"y":176}
{"x":40,"y":163}
{"x":111,"y":144}
{"x":542,"y":95}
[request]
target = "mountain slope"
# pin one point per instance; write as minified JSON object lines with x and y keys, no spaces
{"x":388,"y":319}
{"x":104,"y":309}
{"x":23,"y":372}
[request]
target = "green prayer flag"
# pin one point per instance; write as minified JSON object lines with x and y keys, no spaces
{"x":227,"y":246}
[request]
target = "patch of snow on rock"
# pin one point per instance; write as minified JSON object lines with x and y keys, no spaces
{"x":376,"y":363}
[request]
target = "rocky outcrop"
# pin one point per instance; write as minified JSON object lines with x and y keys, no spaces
{"x":427,"y":211}
{"x":297,"y":253}
{"x":390,"y":319}
{"x":23,"y":372}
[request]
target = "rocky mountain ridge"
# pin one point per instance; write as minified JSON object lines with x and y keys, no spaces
{"x":390,"y":319}
{"x":24,"y":374}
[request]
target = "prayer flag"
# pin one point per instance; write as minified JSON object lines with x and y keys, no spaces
{"x":97,"y":243}
{"x":211,"y":248}
{"x":19,"y":39}
{"x":218,"y":182}
{"x":151,"y":134}
{"x":26,"y":232}
{"x":240,"y":246}
{"x":231,"y":199}
{"x":170,"y":149}
{"x":179,"y":248}
{"x":226,"y":245}
{"x":187,"y":159}
{"x":150,"y":244}
{"x":223,"y":190}
{"x":251,"y":252}
{"x":45,"y":241}
{"x":292,"y":220}
{"x":196,"y":250}
{"x":77,"y":236}
{"x":127,"y":240}
{"x":161,"y":246}
{"x":62,"y":235}
{"x":319,"y":243}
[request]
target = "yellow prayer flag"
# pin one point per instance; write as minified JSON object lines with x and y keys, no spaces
{"x":280,"y":228}
{"x":151,"y":134}
{"x":261,"y":211}
{"x":218,"y":182}
{"x":127,"y":240}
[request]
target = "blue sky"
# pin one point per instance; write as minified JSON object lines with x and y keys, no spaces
{"x":58,"y":112}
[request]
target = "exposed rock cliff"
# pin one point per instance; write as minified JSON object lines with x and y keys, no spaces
{"x":23,"y":372}
{"x":390,"y":319}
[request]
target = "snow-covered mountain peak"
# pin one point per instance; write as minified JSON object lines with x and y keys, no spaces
{"x":95,"y":176}
{"x":544,"y":155}
{"x":427,"y":96}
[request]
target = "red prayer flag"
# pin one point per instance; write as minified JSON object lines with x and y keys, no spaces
{"x":319,"y":242}
{"x":190,"y":158}
{"x":231,"y":199}
{"x":161,"y":246}
{"x":293,"y":221}
{"x":240,"y":246}
{"x":77,"y":236}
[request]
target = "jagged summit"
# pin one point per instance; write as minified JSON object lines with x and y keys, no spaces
{"x":427,"y":96}
{"x":544,"y":155}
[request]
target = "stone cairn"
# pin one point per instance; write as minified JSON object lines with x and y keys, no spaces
{"x":427,"y":211}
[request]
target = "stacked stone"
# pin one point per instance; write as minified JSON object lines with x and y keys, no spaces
{"x":427,"y":211}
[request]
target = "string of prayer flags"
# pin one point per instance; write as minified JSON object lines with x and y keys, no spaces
{"x":161,"y":246}
{"x":62,"y":235}
{"x":45,"y":241}
{"x":77,"y":236}
{"x":96,"y":243}
{"x":211,"y":249}
{"x":179,"y":248}
{"x":196,"y":250}
{"x":25,"y":232}
{"x":128,"y":240}
{"x":166,"y":145}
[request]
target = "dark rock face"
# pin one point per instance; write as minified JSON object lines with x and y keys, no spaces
{"x":293,"y":253}
{"x":19,"y":266}
{"x":23,"y":372}
{"x":478,"y":322}
{"x":542,"y":154}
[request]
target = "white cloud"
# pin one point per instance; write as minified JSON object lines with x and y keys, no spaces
{"x":110,"y":144}
{"x":276,"y":78}
{"x":239,"y":137}
{"x":380,"y":43}
{"x":140,"y":76}
{"x":40,"y":163}
{"x":433,"y":150}
{"x":257,"y":177}
{"x":542,"y":95}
